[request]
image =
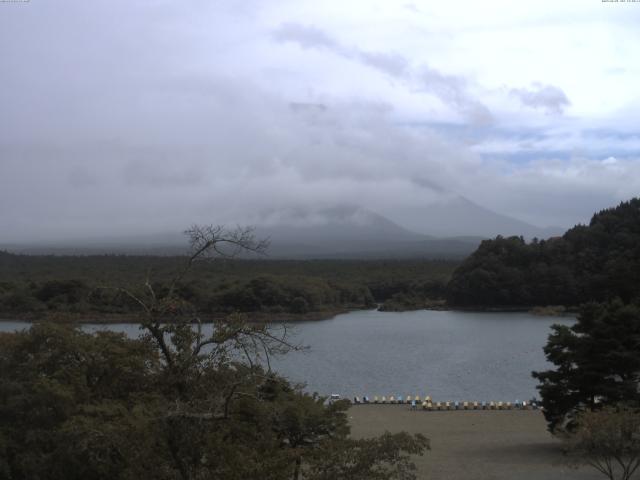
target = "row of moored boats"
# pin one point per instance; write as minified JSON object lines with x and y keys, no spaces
{"x":427,"y":403}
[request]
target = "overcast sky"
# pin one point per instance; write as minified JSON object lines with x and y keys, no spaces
{"x":139,"y":116}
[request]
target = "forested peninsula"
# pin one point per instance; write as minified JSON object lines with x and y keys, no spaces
{"x":594,"y":262}
{"x":89,"y":288}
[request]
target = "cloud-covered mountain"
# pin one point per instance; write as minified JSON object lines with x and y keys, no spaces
{"x":223,"y":108}
{"x":352,"y":232}
{"x":340,"y":228}
{"x":448,"y":230}
{"x":460,"y":216}
{"x":343,"y":231}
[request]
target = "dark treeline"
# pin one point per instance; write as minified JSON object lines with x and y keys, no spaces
{"x":594,"y":262}
{"x":42,"y":285}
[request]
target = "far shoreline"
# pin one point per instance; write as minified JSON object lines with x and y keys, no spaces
{"x":107,"y":319}
{"x":267,"y":317}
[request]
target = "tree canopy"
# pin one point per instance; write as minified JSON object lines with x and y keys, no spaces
{"x":597,"y":362}
{"x":40,"y":287}
{"x":175,"y":403}
{"x":588,"y":263}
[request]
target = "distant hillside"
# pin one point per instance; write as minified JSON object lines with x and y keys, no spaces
{"x":594,"y":262}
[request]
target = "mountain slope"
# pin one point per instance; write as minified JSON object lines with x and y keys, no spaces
{"x":337,"y":229}
{"x":460,"y":216}
{"x":351,"y":232}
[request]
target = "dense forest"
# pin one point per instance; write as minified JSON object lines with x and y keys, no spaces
{"x":47,"y":286}
{"x":592,"y":262}
{"x":176,"y":403}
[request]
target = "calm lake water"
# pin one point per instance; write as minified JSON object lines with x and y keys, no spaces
{"x":448,"y":355}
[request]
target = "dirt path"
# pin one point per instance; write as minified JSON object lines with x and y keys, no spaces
{"x":475,"y":445}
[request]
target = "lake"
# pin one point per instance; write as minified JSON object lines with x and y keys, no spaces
{"x":446,"y":354}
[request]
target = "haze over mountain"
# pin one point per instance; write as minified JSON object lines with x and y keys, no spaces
{"x":460,"y":216}
{"x":446,"y":230}
{"x":350,"y":231}
{"x":164,"y":115}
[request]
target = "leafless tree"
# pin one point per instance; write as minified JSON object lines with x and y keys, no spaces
{"x":178,"y":332}
{"x":609,"y":441}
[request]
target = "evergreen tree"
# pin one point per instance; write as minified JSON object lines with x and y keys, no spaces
{"x":597,"y":262}
{"x":597,"y":362}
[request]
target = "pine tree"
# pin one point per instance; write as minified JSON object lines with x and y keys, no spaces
{"x":597,"y":362}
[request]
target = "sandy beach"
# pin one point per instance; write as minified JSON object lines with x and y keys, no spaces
{"x":476,"y":445}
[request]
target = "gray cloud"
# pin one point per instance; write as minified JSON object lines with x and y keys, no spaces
{"x":162,"y":173}
{"x":80,"y":177}
{"x":232,"y":150}
{"x":390,"y":63}
{"x":547,"y":191}
{"x":307,"y":37}
{"x":450,"y":89}
{"x":143,"y":117}
{"x":254,"y":151}
{"x":548,"y":98}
